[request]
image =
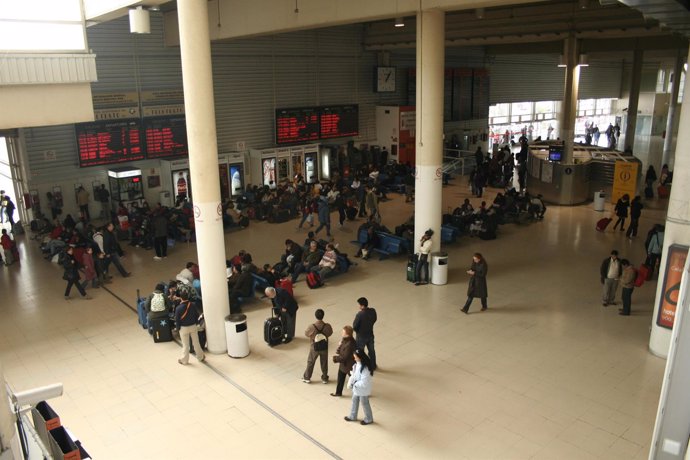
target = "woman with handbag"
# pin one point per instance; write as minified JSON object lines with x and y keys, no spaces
{"x":423,"y":263}
{"x":360,"y":383}
{"x":71,"y":274}
{"x":477,"y":286}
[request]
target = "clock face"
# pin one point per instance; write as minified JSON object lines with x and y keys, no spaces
{"x":385,"y":79}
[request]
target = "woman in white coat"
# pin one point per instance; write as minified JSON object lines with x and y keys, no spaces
{"x":360,"y":382}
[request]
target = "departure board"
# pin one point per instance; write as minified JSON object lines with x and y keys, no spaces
{"x":297,"y":125}
{"x":108,"y":142}
{"x":307,"y":124}
{"x":165,"y":137}
{"x":339,"y":121}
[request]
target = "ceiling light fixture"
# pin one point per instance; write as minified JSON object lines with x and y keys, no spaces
{"x":584,"y":61}
{"x":399,"y":22}
{"x":561,"y":61}
{"x":139,"y":21}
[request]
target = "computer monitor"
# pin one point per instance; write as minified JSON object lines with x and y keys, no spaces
{"x":555,"y":152}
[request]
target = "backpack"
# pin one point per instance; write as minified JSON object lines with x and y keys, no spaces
{"x":320,"y":340}
{"x":314,"y":280}
{"x":157,"y":302}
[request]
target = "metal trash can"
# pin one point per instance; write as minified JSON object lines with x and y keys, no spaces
{"x":236,"y":335}
{"x":599,"y":200}
{"x":439,"y":268}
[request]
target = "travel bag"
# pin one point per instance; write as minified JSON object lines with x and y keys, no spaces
{"x":314,"y":280}
{"x":603,"y":223}
{"x":273,"y":330}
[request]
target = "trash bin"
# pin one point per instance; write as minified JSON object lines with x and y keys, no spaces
{"x":236,"y":335}
{"x":439,"y":268}
{"x":599,"y":200}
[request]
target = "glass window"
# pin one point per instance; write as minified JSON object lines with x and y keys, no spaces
{"x":521,"y":108}
{"x":543,"y":107}
{"x":586,"y":104}
{"x":41,"y":25}
{"x":680,"y":87}
{"x":661,"y":81}
{"x":499,"y":110}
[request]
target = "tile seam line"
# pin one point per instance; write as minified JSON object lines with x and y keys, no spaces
{"x":248,"y":394}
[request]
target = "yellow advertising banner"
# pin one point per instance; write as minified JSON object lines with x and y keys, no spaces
{"x":624,"y":180}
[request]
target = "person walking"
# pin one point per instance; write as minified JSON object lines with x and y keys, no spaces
{"x":610,"y":272}
{"x":649,"y":179}
{"x":324,"y":214}
{"x":423,"y":262}
{"x":71,"y":274}
{"x":186,"y":319}
{"x":477,"y":285}
{"x":345,"y":359}
{"x":361,"y":382}
{"x":104,"y":198}
{"x":654,"y":247}
{"x":112,"y":251}
{"x":318,"y":333}
{"x":363,"y":325}
{"x":635,"y":213}
{"x":160,"y":234}
{"x":628,"y":277}
{"x":622,"y":211}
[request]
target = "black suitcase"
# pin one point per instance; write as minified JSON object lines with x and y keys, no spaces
{"x":412,"y":268}
{"x":273,"y":331}
{"x":162,"y":330}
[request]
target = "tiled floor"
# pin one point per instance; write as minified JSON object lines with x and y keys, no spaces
{"x":545,"y":373}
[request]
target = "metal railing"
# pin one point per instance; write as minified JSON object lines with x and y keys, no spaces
{"x":455,"y":160}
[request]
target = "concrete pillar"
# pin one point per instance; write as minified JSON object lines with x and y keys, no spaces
{"x":195,"y":49}
{"x":677,"y":224}
{"x":429,"y":124}
{"x":7,"y":420}
{"x":635,"y":82}
{"x":667,"y":155}
{"x":571,"y":55}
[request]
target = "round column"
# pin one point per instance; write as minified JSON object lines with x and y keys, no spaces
{"x":195,"y":49}
{"x":668,"y":152}
{"x":677,"y":225}
{"x":571,"y":89}
{"x":429,"y":124}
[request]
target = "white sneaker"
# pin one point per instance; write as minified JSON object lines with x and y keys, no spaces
{"x":306,"y":380}
{"x":157,"y":258}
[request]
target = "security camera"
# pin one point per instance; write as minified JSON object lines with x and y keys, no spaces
{"x":36,"y":395}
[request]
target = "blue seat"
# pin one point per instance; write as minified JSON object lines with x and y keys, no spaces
{"x":390,"y":245}
{"x":449,"y":234}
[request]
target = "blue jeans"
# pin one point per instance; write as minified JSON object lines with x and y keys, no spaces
{"x":368,"y":416}
{"x":369,"y":343}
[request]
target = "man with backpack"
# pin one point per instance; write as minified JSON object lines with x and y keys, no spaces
{"x":157,"y":305}
{"x":318,"y":334}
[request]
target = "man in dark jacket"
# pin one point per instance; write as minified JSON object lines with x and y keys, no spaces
{"x":239,"y":285}
{"x":111,"y":250}
{"x":363,"y":325}
{"x":160,"y":234}
{"x":186,"y":318}
{"x":284,"y":306}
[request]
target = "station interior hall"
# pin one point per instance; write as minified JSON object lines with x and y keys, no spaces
{"x":195,"y":108}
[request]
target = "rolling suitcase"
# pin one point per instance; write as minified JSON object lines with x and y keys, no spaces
{"x":603,"y":223}
{"x":273,"y":330}
{"x":141,"y":311}
{"x":162,"y":330}
{"x":285,"y":283}
{"x":412,"y":268}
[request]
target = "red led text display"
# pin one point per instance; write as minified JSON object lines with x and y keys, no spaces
{"x":165,"y":137}
{"x":297,"y":125}
{"x":102,"y":143}
{"x":339,"y":121}
{"x":313,"y":123}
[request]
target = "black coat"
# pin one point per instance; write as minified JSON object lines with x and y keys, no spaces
{"x":283,"y":299}
{"x":70,"y":266}
{"x":477,"y":286}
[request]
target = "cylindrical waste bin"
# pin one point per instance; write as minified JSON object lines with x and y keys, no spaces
{"x":439,"y":268}
{"x":599,"y":200}
{"x":236,"y":335}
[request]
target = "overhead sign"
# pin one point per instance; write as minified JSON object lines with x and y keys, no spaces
{"x":624,"y":180}
{"x":114,"y":99}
